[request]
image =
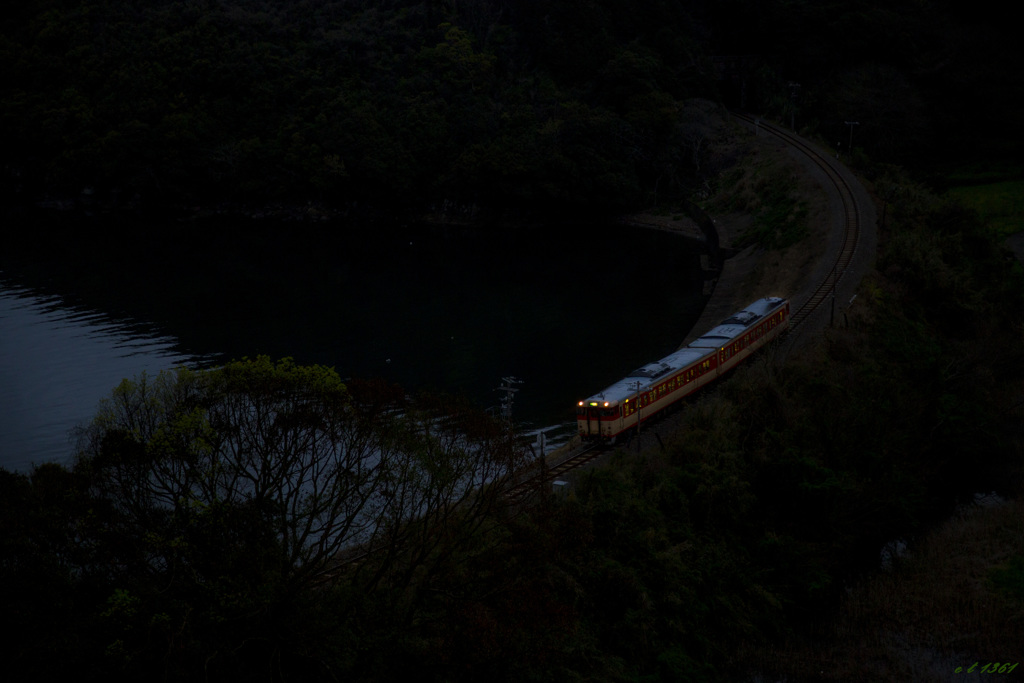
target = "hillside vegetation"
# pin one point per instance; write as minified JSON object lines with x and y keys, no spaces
{"x":425,"y":105}
{"x":174,"y":548}
{"x":196,"y":536}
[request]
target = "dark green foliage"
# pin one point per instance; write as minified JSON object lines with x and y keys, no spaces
{"x":1008,"y":580}
{"x":771,"y":195}
{"x":574,"y":105}
{"x":43,"y":518}
{"x":404,"y":105}
{"x":199,"y":532}
{"x":149,"y":559}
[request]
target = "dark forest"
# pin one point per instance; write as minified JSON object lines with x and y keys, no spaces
{"x":567,"y":107}
{"x":267,"y":521}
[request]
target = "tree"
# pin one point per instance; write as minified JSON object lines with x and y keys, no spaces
{"x":235,"y":495}
{"x":295,"y":454}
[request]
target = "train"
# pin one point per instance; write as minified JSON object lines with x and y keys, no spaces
{"x":650,"y":389}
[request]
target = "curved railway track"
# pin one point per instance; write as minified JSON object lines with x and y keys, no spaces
{"x":820,"y":292}
{"x":851,"y":223}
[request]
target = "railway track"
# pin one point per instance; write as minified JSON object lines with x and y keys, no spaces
{"x":851,"y":228}
{"x":821,"y":292}
{"x":542,"y":475}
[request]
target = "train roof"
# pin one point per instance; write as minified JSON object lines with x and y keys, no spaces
{"x":705,"y":346}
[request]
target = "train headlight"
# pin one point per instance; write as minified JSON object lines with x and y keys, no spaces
{"x":606,"y":404}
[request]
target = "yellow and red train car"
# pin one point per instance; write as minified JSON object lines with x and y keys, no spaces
{"x":648,"y":390}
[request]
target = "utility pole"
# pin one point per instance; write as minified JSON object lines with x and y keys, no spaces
{"x":794,"y":91}
{"x":506,"y":401}
{"x":638,"y":415}
{"x":851,"y":124}
{"x":832,"y":317}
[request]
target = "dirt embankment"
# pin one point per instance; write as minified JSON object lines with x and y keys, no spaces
{"x":750,"y":271}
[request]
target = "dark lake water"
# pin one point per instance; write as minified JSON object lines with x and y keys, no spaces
{"x":85,"y":302}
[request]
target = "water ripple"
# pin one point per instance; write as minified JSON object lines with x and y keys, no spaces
{"x":57,"y":362}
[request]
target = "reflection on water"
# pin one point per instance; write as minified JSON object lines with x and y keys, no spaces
{"x":56,"y":363}
{"x":566,"y":310}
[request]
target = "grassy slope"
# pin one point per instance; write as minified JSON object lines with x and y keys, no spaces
{"x":1001,"y":204}
{"x":953,"y":599}
{"x":956,"y":596}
